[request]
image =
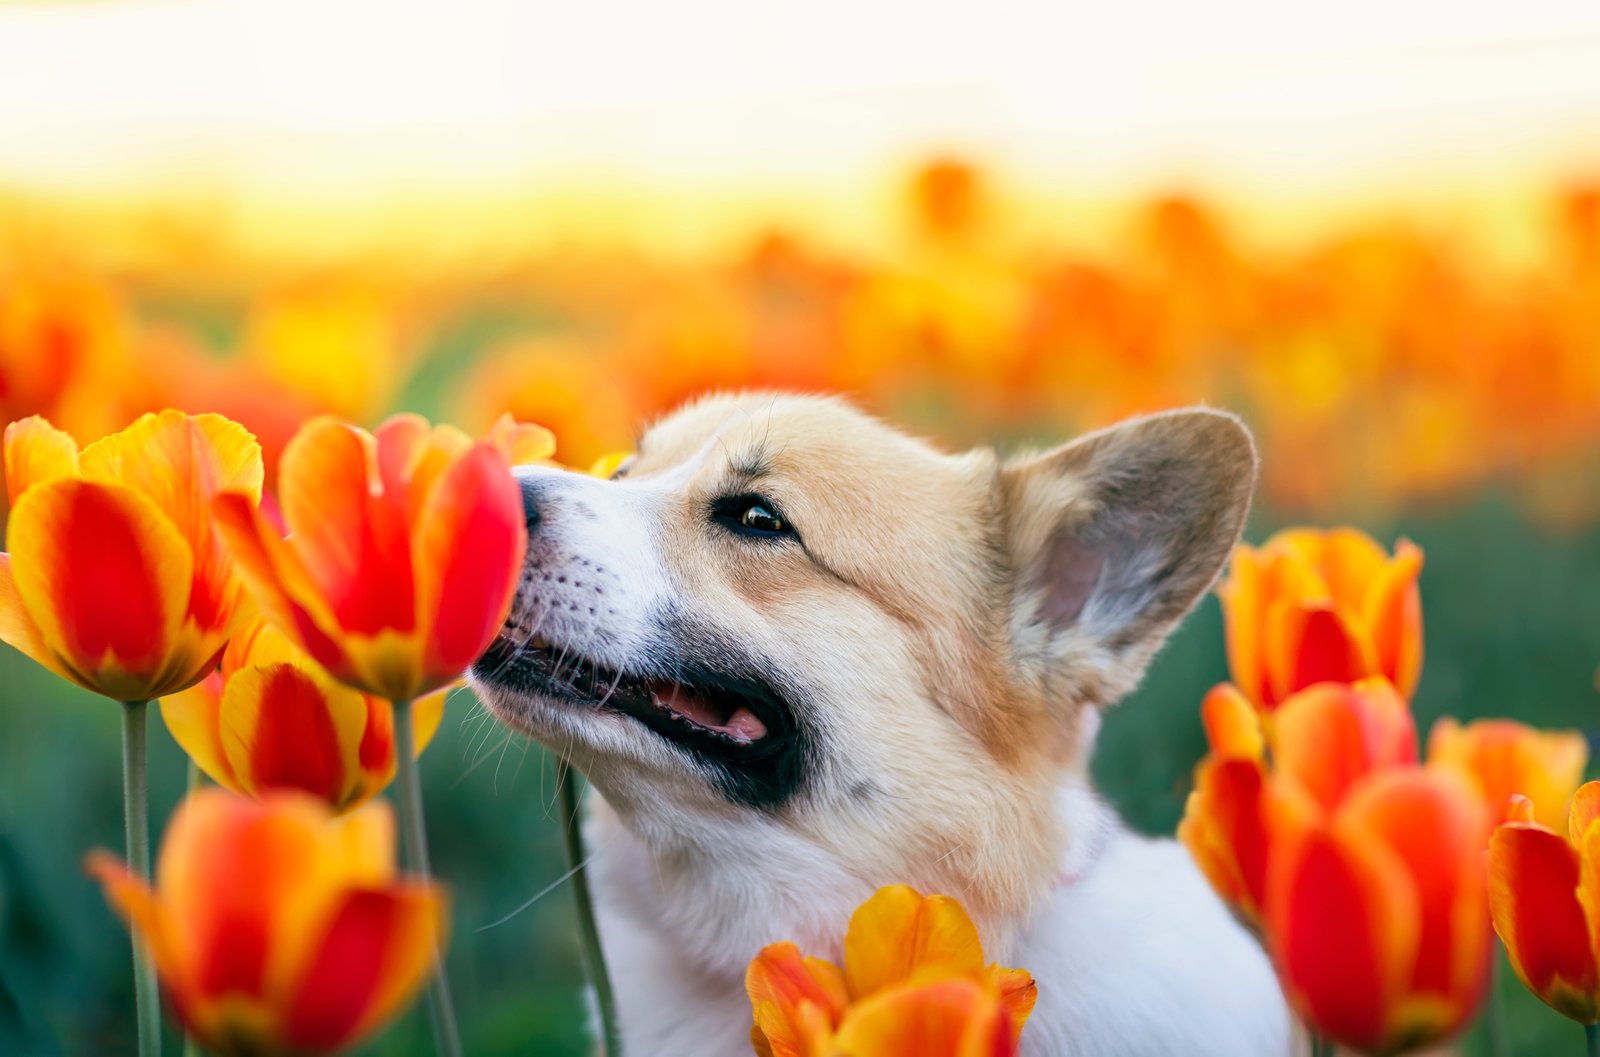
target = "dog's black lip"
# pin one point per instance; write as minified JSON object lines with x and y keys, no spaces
{"x":570,"y":678}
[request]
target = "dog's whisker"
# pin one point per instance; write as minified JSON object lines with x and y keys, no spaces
{"x":541,"y":893}
{"x":476,"y":763}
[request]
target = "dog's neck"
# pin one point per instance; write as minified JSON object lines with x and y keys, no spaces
{"x":719,"y":890}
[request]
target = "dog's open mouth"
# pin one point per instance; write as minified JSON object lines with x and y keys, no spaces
{"x":733,"y":717}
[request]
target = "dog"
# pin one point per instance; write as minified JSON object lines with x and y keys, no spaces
{"x":801,"y":655}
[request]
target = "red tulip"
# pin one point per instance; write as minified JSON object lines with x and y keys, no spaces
{"x":378,"y":526}
{"x":277,"y":930}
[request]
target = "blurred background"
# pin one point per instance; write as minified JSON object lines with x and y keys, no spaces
{"x":1373,"y":229}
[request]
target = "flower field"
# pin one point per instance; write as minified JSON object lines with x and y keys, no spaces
{"x":1399,"y":377}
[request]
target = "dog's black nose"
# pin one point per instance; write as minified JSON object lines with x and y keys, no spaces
{"x":530,"y":505}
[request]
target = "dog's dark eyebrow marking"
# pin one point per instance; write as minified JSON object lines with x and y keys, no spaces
{"x":751,"y":463}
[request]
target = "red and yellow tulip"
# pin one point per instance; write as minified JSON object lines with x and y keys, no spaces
{"x":1329,"y":736}
{"x":1315,"y":606}
{"x":914,"y":984}
{"x":1300,"y":764}
{"x":1505,"y":758}
{"x":277,"y":929}
{"x":272,"y":719}
{"x":378,"y":526}
{"x":1377,"y":915}
{"x":1544,"y":894}
{"x":116,"y":578}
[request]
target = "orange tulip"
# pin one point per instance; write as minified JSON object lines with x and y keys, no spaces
{"x":115,"y":578}
{"x":277,"y":929}
{"x":1377,"y":915}
{"x":1323,"y":740}
{"x":914,"y":983}
{"x":1505,"y":758}
{"x":271,"y":719}
{"x":1313,"y":606}
{"x":1224,"y":827}
{"x":1544,"y":894}
{"x":378,"y":525}
{"x":1327,"y":737}
{"x":951,"y":1017}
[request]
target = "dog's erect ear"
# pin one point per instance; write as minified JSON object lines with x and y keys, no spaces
{"x":1115,"y":536}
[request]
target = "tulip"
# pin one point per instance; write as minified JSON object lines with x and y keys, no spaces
{"x":1377,"y":915}
{"x":1323,"y":740}
{"x":276,"y":928}
{"x":1224,"y":827}
{"x":1544,"y":895}
{"x":378,"y":525}
{"x":116,"y":581}
{"x":1327,"y":737}
{"x":914,"y":983}
{"x":1313,"y":606}
{"x":273,"y":720}
{"x":1505,"y":759}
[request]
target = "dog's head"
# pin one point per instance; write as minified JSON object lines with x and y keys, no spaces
{"x":784,"y":611}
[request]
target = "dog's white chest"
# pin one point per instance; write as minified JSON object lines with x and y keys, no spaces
{"x":1135,"y":959}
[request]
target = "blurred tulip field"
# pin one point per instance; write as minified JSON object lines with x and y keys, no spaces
{"x":1425,"y":375}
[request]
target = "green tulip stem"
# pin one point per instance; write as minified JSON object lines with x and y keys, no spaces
{"x":594,"y":957}
{"x":1494,"y":1014}
{"x":136,"y":827}
{"x":414,"y":844}
{"x":1591,"y":1032}
{"x":1321,"y":1047}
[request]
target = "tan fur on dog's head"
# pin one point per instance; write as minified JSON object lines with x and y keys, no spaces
{"x":930,"y":628}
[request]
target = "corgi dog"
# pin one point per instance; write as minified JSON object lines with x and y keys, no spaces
{"x":800,"y":655}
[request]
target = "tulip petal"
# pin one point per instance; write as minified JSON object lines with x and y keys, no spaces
{"x":1224,"y":827}
{"x":344,"y":529}
{"x":35,"y":452}
{"x":606,"y":466}
{"x":361,"y":849}
{"x":943,"y":1018}
{"x":1349,"y":560}
{"x":1310,"y":644}
{"x":1342,"y":918}
{"x":1018,"y":995}
{"x":284,"y":728}
{"x":279,"y":582}
{"x":412,"y":457}
{"x":193,"y":718}
{"x":146,"y":918}
{"x":377,"y":754}
{"x":783,"y":985}
{"x":1233,"y":728}
{"x":373,"y":956}
{"x":1392,"y":611}
{"x":522,"y":442}
{"x":17,"y":628}
{"x":898,"y":933}
{"x":472,"y":536}
{"x":243,"y":875}
{"x":1505,"y":759}
{"x":106,"y":579}
{"x":1243,"y":609}
{"x":1438,"y":826}
{"x":1585,"y":809}
{"x":1329,"y":735}
{"x":1533,"y":895}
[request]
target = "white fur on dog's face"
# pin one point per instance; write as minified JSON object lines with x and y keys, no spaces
{"x":901,"y":675}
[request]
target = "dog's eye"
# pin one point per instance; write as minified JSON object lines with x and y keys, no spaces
{"x":751,"y":515}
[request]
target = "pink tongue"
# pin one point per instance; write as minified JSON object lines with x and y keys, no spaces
{"x":743,"y":724}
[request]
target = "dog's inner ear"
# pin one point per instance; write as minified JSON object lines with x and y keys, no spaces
{"x":1115,"y":536}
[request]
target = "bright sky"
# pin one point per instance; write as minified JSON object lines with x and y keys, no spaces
{"x":320,"y":95}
